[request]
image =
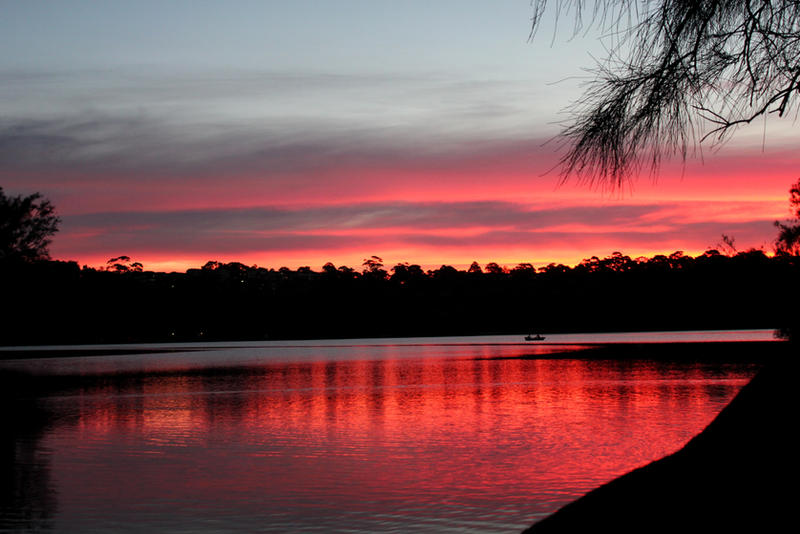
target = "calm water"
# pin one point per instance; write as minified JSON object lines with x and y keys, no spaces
{"x":423,"y":435}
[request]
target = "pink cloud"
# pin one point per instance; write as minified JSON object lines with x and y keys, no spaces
{"x":341,"y":199}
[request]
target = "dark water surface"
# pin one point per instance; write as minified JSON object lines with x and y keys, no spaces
{"x":426,"y":435}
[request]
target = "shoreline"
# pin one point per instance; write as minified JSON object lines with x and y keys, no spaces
{"x":32,"y":354}
{"x":709,"y":350}
{"x":724,"y":479}
{"x":125,"y":342}
{"x":712,"y":351}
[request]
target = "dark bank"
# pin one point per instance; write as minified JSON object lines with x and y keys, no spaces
{"x":735,"y":476}
{"x":52,"y":302}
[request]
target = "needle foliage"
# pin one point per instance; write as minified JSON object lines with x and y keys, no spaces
{"x":677,"y":73}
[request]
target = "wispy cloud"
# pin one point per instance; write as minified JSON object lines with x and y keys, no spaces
{"x":429,"y":225}
{"x":267,"y":121}
{"x":254,"y":164}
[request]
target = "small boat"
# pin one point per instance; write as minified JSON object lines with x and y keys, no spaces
{"x":537,"y":337}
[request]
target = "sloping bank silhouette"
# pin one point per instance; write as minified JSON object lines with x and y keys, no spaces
{"x":738,"y":475}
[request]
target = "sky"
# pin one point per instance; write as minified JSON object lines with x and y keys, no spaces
{"x":297,"y":133}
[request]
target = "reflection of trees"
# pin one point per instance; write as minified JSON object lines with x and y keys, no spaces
{"x":300,"y":420}
{"x":27,"y":498}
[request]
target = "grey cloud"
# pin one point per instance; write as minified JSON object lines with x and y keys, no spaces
{"x":272,"y":122}
{"x":146,"y":146}
{"x":422,"y":216}
{"x":219,"y":243}
{"x":265,"y":230}
{"x":340,"y":227}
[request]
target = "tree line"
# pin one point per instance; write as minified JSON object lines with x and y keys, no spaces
{"x":59,"y":302}
{"x":46,"y":301}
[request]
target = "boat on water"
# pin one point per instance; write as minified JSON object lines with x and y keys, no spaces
{"x":537,"y":337}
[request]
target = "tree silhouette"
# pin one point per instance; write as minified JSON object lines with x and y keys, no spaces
{"x":727,"y":245}
{"x":677,"y":73}
{"x":123,"y":264}
{"x":494,"y":268}
{"x":27,"y":224}
{"x":373,"y":267}
{"x":788,"y":241}
{"x":329,"y":269}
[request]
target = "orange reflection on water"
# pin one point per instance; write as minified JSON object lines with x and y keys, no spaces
{"x":493,"y":441}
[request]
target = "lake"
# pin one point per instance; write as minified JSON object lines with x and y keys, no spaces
{"x":476,"y":434}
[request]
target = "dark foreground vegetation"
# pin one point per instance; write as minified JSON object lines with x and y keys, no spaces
{"x":59,"y":302}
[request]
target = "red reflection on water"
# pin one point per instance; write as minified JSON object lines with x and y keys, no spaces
{"x":494,"y":441}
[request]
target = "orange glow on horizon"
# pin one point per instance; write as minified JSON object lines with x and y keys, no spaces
{"x":687,"y":208}
{"x":428,"y":261}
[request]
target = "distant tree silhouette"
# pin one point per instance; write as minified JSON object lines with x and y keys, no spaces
{"x":788,"y":241}
{"x":236,"y":267}
{"x":523,"y":271}
{"x":329,"y":269}
{"x":415,"y":271}
{"x":444,"y":272}
{"x":123,"y":264}
{"x":475,"y":268}
{"x":403,"y":273}
{"x":347,"y":273}
{"x":494,"y":268}
{"x":400,"y":273}
{"x":727,"y":246}
{"x":27,"y":224}
{"x":373,"y":267}
{"x":372,"y":263}
{"x":619,"y":262}
{"x":677,"y":73}
{"x":589,"y":264}
{"x":554,"y":268}
{"x":234,"y":301}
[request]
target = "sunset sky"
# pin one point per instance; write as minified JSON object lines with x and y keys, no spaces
{"x":299,"y":132}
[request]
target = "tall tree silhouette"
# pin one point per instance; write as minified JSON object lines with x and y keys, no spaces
{"x":678,"y":73}
{"x":27,"y":224}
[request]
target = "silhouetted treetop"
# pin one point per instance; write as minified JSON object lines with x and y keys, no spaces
{"x":788,"y":241}
{"x":677,"y":73}
{"x":123,"y":264}
{"x":373,"y":268}
{"x":27,"y":224}
{"x":494,"y":268}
